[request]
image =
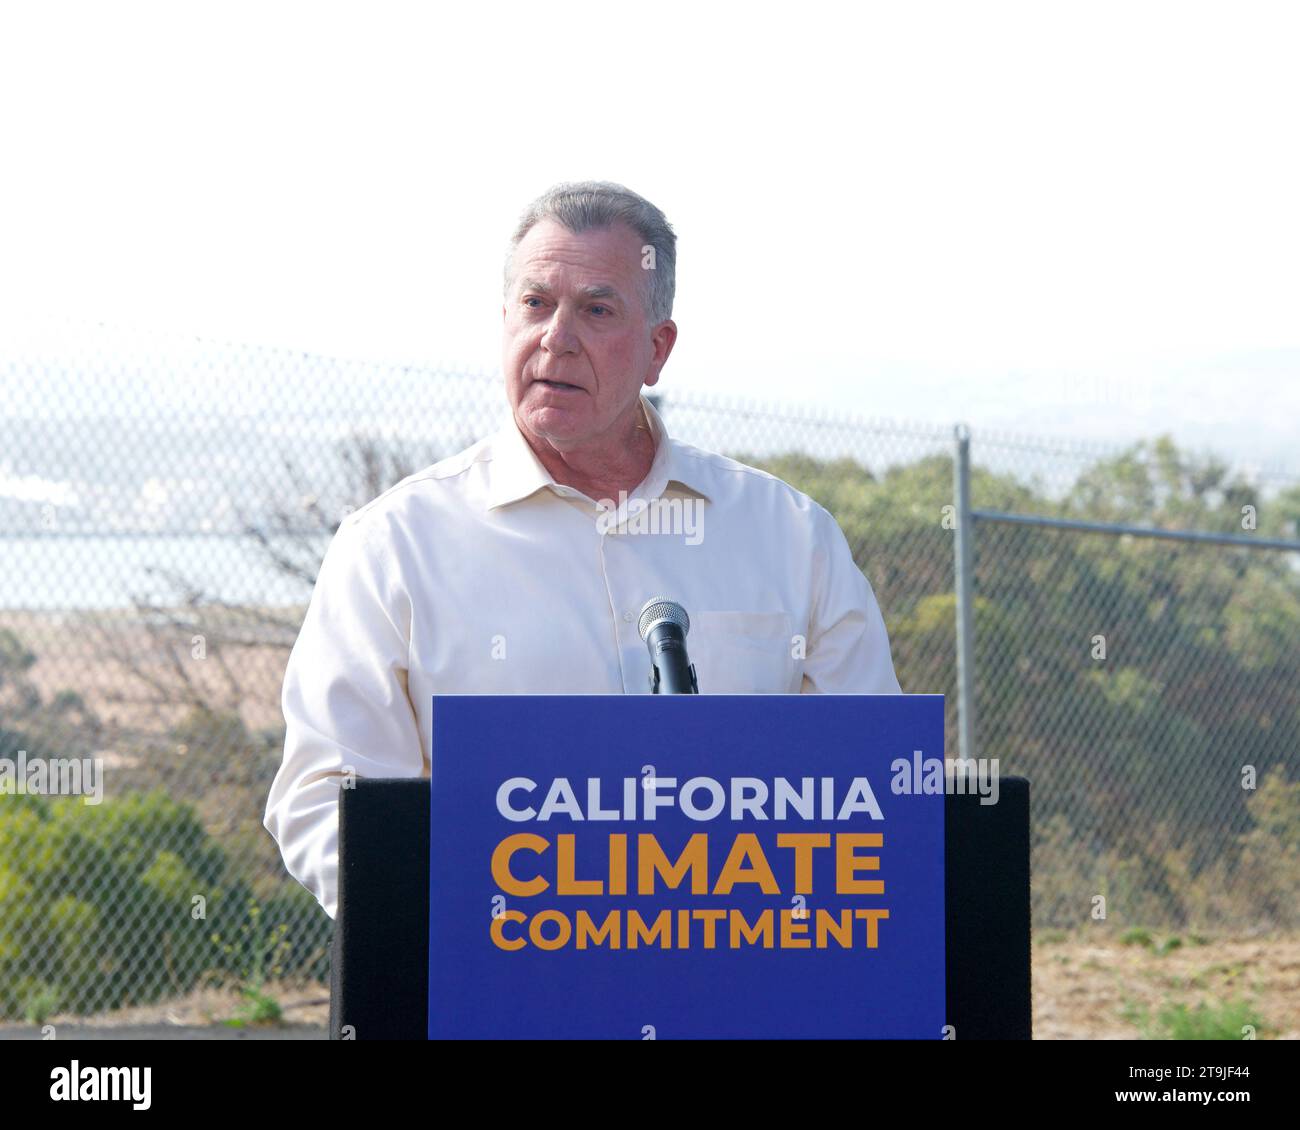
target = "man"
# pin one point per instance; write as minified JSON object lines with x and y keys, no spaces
{"x":521,"y":564}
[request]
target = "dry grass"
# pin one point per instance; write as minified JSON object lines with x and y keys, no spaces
{"x":83,"y":652}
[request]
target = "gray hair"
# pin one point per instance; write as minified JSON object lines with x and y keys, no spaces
{"x":596,"y":204}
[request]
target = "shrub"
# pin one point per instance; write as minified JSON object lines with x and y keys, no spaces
{"x":127,"y":901}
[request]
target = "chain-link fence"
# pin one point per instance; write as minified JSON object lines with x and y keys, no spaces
{"x":1146,"y":678}
{"x":164,"y":505}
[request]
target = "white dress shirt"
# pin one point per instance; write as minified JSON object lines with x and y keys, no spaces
{"x":482,"y":575}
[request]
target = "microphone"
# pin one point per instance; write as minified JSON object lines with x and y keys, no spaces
{"x":663,"y":626}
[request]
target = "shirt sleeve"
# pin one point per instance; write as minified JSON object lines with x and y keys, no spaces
{"x":346,"y":707}
{"x":848,"y":646}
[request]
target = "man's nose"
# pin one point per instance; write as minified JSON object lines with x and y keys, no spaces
{"x":559,"y":336}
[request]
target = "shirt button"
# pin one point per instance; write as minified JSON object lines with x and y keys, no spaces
{"x":629,"y":617}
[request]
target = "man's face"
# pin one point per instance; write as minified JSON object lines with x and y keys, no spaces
{"x":577,"y":343}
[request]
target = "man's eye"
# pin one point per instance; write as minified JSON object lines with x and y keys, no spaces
{"x":599,"y":309}
{"x":531,"y":298}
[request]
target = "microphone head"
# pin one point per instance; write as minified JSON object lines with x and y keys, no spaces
{"x":659,"y":609}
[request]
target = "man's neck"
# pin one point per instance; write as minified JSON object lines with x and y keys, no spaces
{"x":602,"y":472}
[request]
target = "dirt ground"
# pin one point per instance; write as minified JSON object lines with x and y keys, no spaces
{"x":203,"y":1013}
{"x":1083,"y":989}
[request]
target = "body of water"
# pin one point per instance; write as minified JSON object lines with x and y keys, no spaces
{"x":58,"y":573}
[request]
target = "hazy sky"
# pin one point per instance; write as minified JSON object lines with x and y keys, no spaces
{"x":1071,"y":219}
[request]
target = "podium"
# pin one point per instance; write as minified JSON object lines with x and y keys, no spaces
{"x":980,"y":926}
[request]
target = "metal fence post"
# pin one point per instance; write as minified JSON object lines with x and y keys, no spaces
{"x":964,"y":583}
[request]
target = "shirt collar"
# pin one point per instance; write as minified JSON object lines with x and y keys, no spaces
{"x":516,"y":472}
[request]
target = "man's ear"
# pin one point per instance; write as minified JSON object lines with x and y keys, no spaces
{"x":663,"y":337}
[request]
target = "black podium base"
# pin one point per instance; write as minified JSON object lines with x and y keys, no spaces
{"x":379,"y":970}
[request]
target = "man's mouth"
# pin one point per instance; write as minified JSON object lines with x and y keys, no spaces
{"x":560,"y":385}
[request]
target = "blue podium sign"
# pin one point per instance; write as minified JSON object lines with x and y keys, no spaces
{"x":676,"y":867}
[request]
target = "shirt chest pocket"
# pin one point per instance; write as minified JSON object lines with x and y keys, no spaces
{"x":742,"y":652}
